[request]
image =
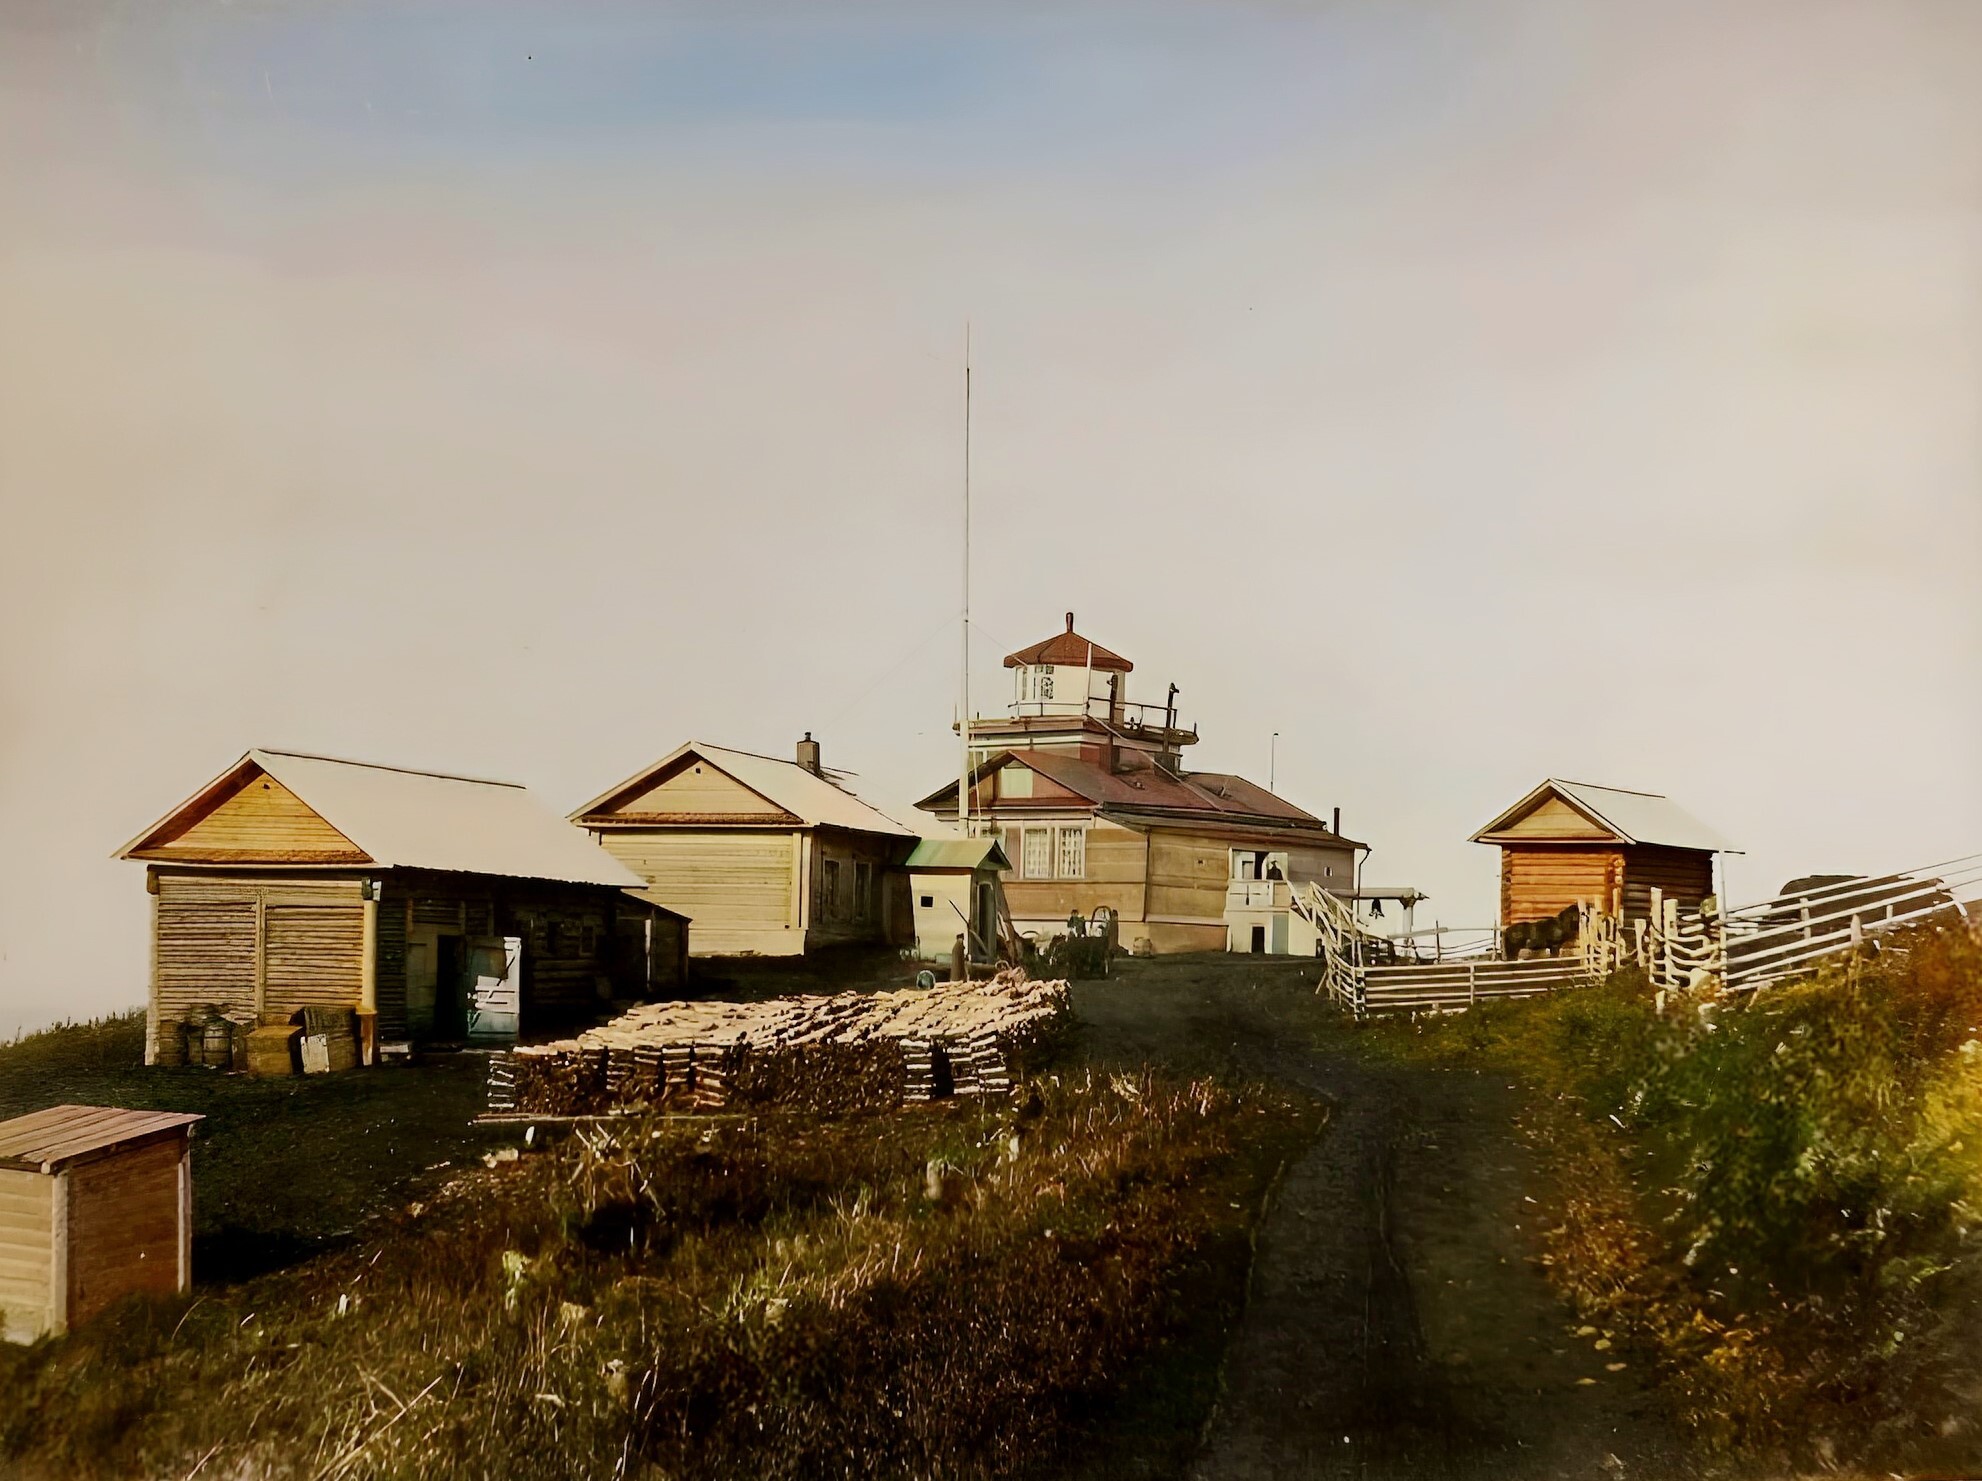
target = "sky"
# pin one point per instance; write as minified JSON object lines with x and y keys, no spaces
{"x":1470,"y":391}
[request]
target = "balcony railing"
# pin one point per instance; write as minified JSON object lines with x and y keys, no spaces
{"x":1256,"y":894}
{"x":1122,"y":714}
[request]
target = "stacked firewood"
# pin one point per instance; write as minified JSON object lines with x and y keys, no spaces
{"x":850,"y":1052}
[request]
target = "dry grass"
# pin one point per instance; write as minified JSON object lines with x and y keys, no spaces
{"x":953,"y":1292}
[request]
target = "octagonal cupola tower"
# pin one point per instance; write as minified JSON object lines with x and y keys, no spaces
{"x":1069,"y":693}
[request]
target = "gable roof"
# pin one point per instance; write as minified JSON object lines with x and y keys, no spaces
{"x":1069,"y":648}
{"x":46,"y":1140}
{"x":958,"y":853}
{"x":816,"y":801}
{"x":404,"y":819}
{"x":1143,"y":789}
{"x":1631,"y":817}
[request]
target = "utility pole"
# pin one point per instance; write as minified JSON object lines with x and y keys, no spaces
{"x":963,"y":703}
{"x":1272,"y":760}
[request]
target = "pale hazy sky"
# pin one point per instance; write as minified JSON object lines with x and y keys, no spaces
{"x":1469,"y":391}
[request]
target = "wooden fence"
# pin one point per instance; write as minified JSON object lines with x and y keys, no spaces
{"x":1786,"y":936}
{"x":1680,"y":950}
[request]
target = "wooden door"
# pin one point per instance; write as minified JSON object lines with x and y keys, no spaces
{"x":495,"y":988}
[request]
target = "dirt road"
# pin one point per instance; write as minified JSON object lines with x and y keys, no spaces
{"x":1399,"y":1324}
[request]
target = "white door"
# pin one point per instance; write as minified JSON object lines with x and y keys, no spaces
{"x":495,"y":988}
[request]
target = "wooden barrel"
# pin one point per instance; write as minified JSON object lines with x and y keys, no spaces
{"x":218,"y":1043}
{"x":171,"y":1042}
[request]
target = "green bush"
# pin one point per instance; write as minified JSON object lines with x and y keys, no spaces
{"x":1781,"y":1193}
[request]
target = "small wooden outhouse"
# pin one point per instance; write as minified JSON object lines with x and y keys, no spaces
{"x":957,"y":885}
{"x":1571,"y":843}
{"x":96,"y":1204}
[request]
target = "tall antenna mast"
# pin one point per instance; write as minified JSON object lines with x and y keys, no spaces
{"x":963,"y":705}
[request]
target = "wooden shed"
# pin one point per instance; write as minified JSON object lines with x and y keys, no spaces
{"x":432,"y":907}
{"x":95,"y":1205}
{"x":1566,"y":843}
{"x":957,"y":885}
{"x":768,"y":857}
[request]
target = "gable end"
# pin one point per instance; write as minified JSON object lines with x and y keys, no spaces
{"x":249,"y":818}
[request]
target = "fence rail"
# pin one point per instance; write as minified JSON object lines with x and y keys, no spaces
{"x":1737,"y":950}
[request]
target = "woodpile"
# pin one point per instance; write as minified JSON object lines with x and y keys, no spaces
{"x":850,"y":1052}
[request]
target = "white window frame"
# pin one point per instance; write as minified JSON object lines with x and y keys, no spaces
{"x":1026,"y":837}
{"x":1070,"y":864}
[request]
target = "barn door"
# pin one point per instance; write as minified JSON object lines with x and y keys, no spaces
{"x":495,"y":988}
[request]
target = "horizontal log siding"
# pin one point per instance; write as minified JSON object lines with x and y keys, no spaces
{"x":568,"y":934}
{"x":205,"y":954}
{"x":735,"y":886}
{"x":312,"y":957}
{"x":123,"y":1227}
{"x":1685,"y":875}
{"x":1541,"y":881}
{"x":26,"y":1253}
{"x":205,"y":938}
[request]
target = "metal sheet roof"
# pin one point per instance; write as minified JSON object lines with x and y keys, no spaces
{"x":1069,"y":648}
{"x":429,"y":820}
{"x":1635,"y":817}
{"x":46,"y":1140}
{"x":1142,"y":787}
{"x":958,"y":853}
{"x":816,"y":801}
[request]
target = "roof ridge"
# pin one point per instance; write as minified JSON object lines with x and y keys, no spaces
{"x":1606,"y":787}
{"x":445,"y":776}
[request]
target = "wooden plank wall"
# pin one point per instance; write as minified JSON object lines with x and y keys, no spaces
{"x":1540,"y":881}
{"x":262,"y":818}
{"x":211,"y":938}
{"x":568,"y":933}
{"x":26,"y":1253}
{"x":389,"y":948}
{"x":836,"y":921}
{"x":1114,"y":876}
{"x":124,"y":1227}
{"x":1685,"y":875}
{"x":735,"y":885}
{"x":312,"y":957}
{"x":1188,"y":875}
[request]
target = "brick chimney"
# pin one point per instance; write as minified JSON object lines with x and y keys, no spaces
{"x":808,"y":755}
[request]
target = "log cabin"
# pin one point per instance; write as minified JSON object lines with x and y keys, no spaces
{"x":768,"y":857}
{"x":96,"y":1204}
{"x":1568,"y":843}
{"x":434,"y":907}
{"x":1087,"y":791}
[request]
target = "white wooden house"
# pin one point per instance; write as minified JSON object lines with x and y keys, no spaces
{"x":768,"y":857}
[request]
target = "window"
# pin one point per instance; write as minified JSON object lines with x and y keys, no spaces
{"x":829,"y":889}
{"x":928,"y":902}
{"x":863,"y":890}
{"x":1042,"y":681}
{"x":1073,"y":853}
{"x":1037,"y":862}
{"x":1015,"y":780}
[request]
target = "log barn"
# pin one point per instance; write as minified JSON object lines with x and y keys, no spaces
{"x":1567,"y":843}
{"x":1088,"y":793}
{"x":95,"y":1205}
{"x":434,"y":907}
{"x":767,"y":857}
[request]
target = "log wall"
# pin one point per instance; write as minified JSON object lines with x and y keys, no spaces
{"x":1542,"y":880}
{"x":1685,"y":875}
